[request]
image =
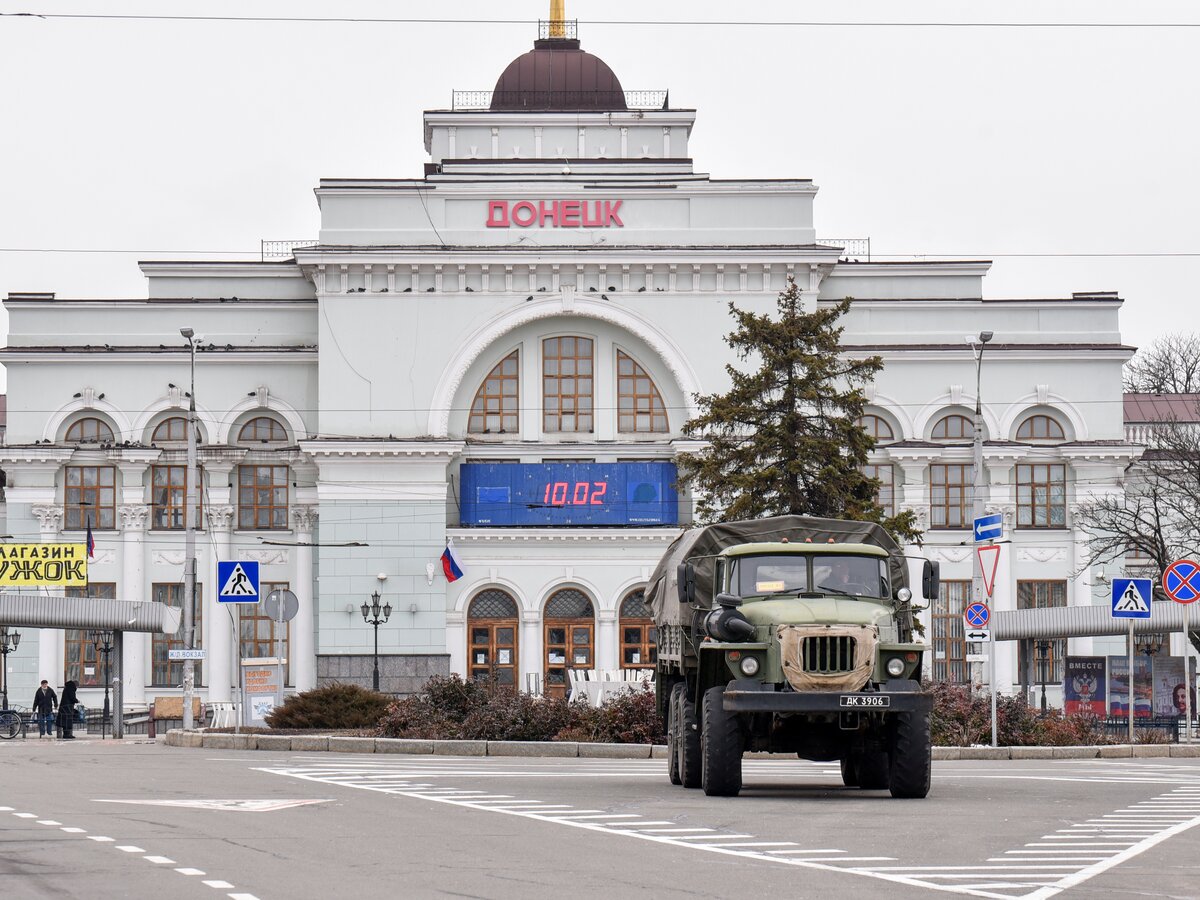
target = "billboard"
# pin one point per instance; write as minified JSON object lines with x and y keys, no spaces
{"x":43,"y":565}
{"x":1169,"y":687}
{"x":1118,"y":687}
{"x":1084,"y":685}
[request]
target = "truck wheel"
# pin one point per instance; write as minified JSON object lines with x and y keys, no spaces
{"x":849,"y":771}
{"x":720,"y":747}
{"x":689,"y":740}
{"x":912,"y":755}
{"x":673,"y":734}
{"x":872,"y":769}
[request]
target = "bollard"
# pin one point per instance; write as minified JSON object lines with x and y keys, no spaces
{"x":151,"y":732}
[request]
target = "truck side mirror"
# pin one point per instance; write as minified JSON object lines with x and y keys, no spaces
{"x":685,"y":576}
{"x":931,"y":579}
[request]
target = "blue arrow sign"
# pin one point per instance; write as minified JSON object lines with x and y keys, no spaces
{"x":989,"y":528}
{"x":1131,"y":598}
{"x":237,"y":581}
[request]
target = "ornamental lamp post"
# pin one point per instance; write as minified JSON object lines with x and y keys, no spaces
{"x":1043,"y":654}
{"x":9,"y":641}
{"x":371,"y":613}
{"x":103,"y":642}
{"x":977,"y":593}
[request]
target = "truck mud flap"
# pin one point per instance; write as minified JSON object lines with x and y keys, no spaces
{"x":831,"y":702}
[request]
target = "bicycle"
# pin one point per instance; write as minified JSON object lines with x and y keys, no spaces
{"x":11,"y":724}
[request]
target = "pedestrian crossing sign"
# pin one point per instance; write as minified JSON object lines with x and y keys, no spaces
{"x":1131,"y":598}
{"x":238,"y":580}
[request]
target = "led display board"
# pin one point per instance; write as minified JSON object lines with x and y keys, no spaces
{"x":625,"y":493}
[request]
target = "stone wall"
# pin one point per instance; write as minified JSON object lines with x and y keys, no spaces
{"x":398,"y":674}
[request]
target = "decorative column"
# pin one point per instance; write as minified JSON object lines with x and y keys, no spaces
{"x":50,"y":640}
{"x":218,"y":617}
{"x":531,"y":649}
{"x":607,"y":654}
{"x":304,"y":626}
{"x":133,"y":587}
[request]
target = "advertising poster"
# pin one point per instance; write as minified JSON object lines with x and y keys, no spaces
{"x":43,"y":565}
{"x":1118,"y":687}
{"x":1169,"y":687}
{"x":1083,"y":685}
{"x":260,"y":690}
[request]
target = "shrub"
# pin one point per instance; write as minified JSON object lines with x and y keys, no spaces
{"x":962,"y":717}
{"x":332,"y":706}
{"x":453,"y":709}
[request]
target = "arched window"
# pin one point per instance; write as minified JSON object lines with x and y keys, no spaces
{"x":567,"y":386}
{"x":639,"y":404}
{"x":953,"y":428}
{"x":570,"y":622}
{"x":495,"y":409}
{"x":89,"y":431}
{"x":639,"y":639}
{"x":1040,"y":428}
{"x":173,"y":431}
{"x":877,"y":427}
{"x":262,"y":430}
{"x":492,"y":623}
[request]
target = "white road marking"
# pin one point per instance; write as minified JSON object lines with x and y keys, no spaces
{"x":220,"y":885}
{"x":25,"y":815}
{"x":48,"y":822}
{"x":242,"y":897}
{"x":95,"y":837}
{"x":129,"y":848}
{"x":187,"y":871}
{"x":6,"y":809}
{"x":70,"y":830}
{"x":159,"y":860}
{"x":222,"y":805}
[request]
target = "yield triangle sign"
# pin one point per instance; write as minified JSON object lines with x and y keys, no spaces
{"x":989,"y":559}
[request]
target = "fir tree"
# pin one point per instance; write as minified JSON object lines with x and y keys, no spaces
{"x":785,"y":439}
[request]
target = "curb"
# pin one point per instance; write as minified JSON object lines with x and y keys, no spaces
{"x":282,"y":743}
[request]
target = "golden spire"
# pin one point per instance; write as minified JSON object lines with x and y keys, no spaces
{"x":558,"y":19}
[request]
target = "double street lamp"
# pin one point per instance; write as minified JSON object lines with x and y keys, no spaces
{"x":9,"y":641}
{"x":371,"y":613}
{"x":103,"y":642}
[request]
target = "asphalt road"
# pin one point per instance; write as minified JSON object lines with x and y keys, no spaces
{"x":104,"y":820}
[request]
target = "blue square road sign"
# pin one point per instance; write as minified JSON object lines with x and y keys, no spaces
{"x":237,"y":581}
{"x":989,"y":528}
{"x":1131,"y":598}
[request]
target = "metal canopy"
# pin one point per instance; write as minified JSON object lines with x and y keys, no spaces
{"x":44,"y":611}
{"x":1084,"y":621}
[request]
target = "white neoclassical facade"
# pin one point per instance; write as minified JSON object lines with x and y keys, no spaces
{"x":502,"y":353}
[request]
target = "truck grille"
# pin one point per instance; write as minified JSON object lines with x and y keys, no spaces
{"x":828,"y":654}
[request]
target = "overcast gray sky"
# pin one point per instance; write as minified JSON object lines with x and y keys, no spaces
{"x":1053,"y":151}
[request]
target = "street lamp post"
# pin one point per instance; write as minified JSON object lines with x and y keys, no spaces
{"x":371,"y":615}
{"x":9,"y":641}
{"x":103,"y":642}
{"x":977,"y":592}
{"x":1043,"y":652}
{"x":189,"y":545}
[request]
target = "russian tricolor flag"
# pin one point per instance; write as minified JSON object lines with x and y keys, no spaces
{"x":450,"y":564}
{"x":91,"y":541}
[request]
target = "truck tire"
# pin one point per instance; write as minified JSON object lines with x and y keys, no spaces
{"x":872,"y":769}
{"x":720,"y":747}
{"x":849,"y":771}
{"x":673,"y":734}
{"x":911,"y":755}
{"x":689,"y":741}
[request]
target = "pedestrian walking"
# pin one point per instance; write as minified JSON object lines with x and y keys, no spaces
{"x":66,"y":711}
{"x":44,"y":703}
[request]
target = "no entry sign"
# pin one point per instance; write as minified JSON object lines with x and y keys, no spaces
{"x":1181,"y":581}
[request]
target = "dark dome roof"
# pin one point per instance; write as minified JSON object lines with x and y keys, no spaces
{"x":558,"y":76}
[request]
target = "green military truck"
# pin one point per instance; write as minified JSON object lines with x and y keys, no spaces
{"x":791,"y":635}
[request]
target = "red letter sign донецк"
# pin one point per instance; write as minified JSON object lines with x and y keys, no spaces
{"x":554,"y":214}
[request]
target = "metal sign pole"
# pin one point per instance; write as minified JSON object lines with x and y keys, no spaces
{"x":992,"y":669}
{"x":279,"y":620}
{"x":1187,"y":680}
{"x":1130,"y":649}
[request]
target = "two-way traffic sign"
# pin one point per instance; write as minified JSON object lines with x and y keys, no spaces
{"x":238,"y":580}
{"x":1131,"y":598}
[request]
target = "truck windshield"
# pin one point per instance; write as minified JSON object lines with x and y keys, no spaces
{"x":855,"y":576}
{"x":770,"y":574}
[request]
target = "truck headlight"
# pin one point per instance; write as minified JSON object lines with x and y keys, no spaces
{"x":904,"y":595}
{"x":895,"y":666}
{"x":749,"y":666}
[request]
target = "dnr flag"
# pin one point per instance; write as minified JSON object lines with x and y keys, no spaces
{"x":91,"y":541}
{"x":450,"y":564}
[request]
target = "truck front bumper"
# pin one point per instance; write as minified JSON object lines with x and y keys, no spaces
{"x":739,"y":699}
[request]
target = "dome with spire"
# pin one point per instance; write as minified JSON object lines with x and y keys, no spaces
{"x":558,"y":76}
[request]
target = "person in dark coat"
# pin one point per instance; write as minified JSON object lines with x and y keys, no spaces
{"x":44,"y":703}
{"x":66,"y":711}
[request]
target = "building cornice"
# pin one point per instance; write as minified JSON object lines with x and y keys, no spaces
{"x":35,"y":454}
{"x":386,"y":449}
{"x":125,"y":354}
{"x":536,"y":536}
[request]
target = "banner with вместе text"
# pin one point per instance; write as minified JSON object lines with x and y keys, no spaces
{"x":43,"y":565}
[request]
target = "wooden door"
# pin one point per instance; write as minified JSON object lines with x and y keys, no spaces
{"x":569,"y":645}
{"x":493,"y":652}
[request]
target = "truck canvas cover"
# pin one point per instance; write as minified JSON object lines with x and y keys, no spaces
{"x":700,"y":547}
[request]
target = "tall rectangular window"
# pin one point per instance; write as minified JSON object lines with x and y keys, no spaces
{"x":263,"y":497}
{"x":949,"y":643}
{"x":567,"y":385}
{"x":166,"y":672}
{"x":90,"y":495}
{"x":950,"y":494}
{"x":168,"y":497}
{"x":886,"y":496}
{"x":84,"y":664}
{"x":1041,"y":664}
{"x":1042,"y":496}
{"x":258,"y":635}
